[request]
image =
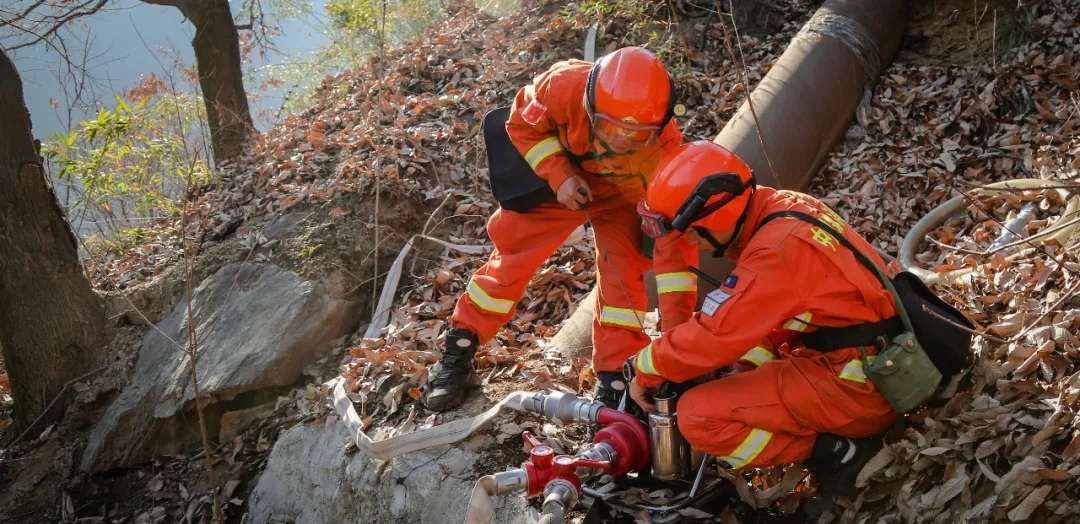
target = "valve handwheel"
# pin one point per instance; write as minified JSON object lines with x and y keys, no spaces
{"x":541,"y":454}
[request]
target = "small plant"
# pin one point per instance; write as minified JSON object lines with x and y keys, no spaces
{"x":130,"y":164}
{"x":633,"y":22}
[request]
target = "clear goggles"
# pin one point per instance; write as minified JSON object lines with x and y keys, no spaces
{"x":624,"y":135}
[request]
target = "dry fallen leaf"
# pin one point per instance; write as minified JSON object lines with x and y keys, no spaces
{"x":1025,"y":508}
{"x":694,"y":513}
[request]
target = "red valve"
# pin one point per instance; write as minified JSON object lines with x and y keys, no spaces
{"x":530,"y":439}
{"x":539,"y":454}
{"x":567,"y":465}
{"x":625,"y":434}
{"x":538,"y":467}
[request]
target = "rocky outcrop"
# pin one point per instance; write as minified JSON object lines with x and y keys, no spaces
{"x":257,"y":326}
{"x":310,"y":478}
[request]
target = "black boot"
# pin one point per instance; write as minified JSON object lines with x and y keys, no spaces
{"x":836,"y":461}
{"x":609,"y":390}
{"x":454,"y":374}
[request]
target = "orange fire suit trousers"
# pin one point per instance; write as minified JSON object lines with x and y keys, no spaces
{"x":772,"y":414}
{"x":524,"y":241}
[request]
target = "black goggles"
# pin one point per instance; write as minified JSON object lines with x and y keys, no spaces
{"x":655,"y":225}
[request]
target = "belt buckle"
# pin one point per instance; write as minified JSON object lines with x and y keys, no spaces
{"x":880,"y":343}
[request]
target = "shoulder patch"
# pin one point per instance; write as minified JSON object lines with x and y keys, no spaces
{"x":731,"y":281}
{"x":533,"y":112}
{"x":713,"y":301}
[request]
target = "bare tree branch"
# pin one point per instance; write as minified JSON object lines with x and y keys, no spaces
{"x":22,"y":15}
{"x":62,"y":20}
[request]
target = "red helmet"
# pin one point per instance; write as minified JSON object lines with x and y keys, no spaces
{"x":699,"y":184}
{"x":629,"y":97}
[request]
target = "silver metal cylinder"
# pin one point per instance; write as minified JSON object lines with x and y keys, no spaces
{"x":511,"y":481}
{"x":560,"y":496}
{"x":670,"y":452}
{"x":564,"y":408}
{"x":598,"y":451}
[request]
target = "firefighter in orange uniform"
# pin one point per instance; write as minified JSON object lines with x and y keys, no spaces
{"x":793,"y":286}
{"x":595,"y":133}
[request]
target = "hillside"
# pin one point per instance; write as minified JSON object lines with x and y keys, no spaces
{"x":392,"y":150}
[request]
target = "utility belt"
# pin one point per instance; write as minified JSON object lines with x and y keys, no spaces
{"x":876,"y":334}
{"x":917,"y":349}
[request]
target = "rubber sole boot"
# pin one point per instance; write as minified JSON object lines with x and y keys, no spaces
{"x":837,"y":461}
{"x":454,"y":374}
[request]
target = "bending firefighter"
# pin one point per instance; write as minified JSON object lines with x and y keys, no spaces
{"x":594,"y":133}
{"x":798,"y":392}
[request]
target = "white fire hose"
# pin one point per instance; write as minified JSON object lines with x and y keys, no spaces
{"x":1059,"y":231}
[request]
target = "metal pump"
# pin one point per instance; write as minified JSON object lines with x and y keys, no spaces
{"x":622,"y":448}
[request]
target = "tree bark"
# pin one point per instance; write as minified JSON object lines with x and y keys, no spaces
{"x":217,"y":55}
{"x":52,"y":325}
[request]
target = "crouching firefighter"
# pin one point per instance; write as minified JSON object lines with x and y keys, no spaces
{"x":581,"y":134}
{"x":827,"y":352}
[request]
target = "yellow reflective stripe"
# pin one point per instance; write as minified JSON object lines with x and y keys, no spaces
{"x":645,"y":362}
{"x":853,"y":370}
{"x":749,"y":449}
{"x":486,"y":301}
{"x":758,"y":356}
{"x":799,"y":323}
{"x":675,"y":282}
{"x":622,"y":316}
{"x":546,"y":148}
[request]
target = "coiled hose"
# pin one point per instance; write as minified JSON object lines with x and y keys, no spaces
{"x":1060,"y":231}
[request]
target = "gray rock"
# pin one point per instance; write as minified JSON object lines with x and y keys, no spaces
{"x":309,"y":479}
{"x":281,"y":225}
{"x":234,"y":423}
{"x":146,"y":303}
{"x":257,"y":327}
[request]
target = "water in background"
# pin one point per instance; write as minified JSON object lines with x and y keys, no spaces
{"x":126,"y":43}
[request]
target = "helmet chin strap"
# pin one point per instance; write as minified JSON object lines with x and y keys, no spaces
{"x":718,"y":247}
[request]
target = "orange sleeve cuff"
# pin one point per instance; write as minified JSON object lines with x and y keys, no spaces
{"x":647,"y":376}
{"x":555,"y":178}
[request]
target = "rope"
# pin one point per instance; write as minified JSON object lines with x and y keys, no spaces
{"x":740,"y":67}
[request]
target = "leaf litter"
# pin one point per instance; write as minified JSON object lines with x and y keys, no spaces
{"x":1000,"y":444}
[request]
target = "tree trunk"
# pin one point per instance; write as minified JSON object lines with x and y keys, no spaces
{"x":52,"y":325}
{"x":217,"y":54}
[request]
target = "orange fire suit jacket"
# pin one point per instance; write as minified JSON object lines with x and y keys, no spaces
{"x":550,"y":127}
{"x":790,"y":277}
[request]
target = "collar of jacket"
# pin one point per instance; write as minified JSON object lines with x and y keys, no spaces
{"x":755,"y":212}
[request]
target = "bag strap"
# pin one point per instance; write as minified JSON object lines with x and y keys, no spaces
{"x":862,"y":258}
{"x":827,"y":339}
